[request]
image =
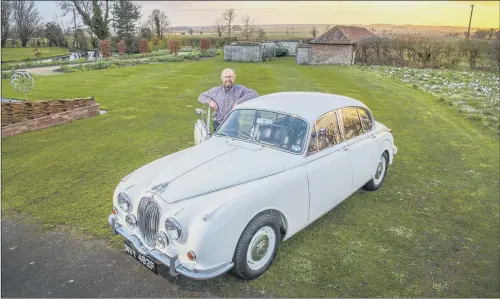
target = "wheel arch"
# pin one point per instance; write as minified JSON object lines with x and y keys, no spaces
{"x":386,"y":146}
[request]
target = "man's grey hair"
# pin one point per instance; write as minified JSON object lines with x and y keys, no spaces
{"x":227,"y":70}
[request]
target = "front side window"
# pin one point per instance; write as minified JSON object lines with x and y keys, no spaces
{"x":352,"y":124}
{"x":325,"y":133}
{"x":273,"y":129}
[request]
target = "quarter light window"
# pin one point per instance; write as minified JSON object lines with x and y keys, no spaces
{"x":366,"y":120}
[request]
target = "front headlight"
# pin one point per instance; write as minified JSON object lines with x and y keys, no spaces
{"x":124,"y":202}
{"x":174,"y":229}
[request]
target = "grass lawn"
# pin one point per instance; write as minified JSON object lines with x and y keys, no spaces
{"x":431,"y":231}
{"x":13,"y":54}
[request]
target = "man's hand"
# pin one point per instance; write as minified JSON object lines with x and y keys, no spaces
{"x":213,"y":104}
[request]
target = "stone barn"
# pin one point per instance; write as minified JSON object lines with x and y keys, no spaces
{"x":336,"y":46}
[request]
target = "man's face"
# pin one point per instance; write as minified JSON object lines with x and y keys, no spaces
{"x":228,"y":80}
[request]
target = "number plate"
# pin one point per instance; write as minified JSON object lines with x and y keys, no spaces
{"x":146,"y":261}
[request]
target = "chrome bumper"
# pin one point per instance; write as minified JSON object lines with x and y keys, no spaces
{"x":166,"y":260}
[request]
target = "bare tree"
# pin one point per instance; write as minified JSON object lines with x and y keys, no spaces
{"x":94,"y":14}
{"x":159,"y":22}
{"x":26,"y":19}
{"x":247,"y":29}
{"x":6,"y":20}
{"x":261,"y":34}
{"x":314,"y":31}
{"x":229,"y":16}
{"x":219,"y":27}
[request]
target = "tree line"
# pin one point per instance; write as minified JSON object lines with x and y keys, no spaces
{"x":408,"y":50}
{"x":92,"y":21}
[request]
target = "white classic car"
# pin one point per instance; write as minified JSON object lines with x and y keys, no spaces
{"x":275,"y":165}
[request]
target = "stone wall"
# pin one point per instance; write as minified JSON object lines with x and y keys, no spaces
{"x":332,"y":54}
{"x":250,"y":53}
{"x":30,"y":116}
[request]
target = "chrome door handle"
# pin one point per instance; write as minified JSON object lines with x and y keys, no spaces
{"x":345,"y":149}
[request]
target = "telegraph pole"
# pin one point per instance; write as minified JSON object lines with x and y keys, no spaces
{"x":472,"y":9}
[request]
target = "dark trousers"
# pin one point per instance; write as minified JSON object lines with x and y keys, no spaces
{"x":215,"y":125}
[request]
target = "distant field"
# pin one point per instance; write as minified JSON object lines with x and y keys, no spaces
{"x":10,"y":54}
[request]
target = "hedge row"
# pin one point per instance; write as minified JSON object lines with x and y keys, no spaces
{"x":427,"y":52}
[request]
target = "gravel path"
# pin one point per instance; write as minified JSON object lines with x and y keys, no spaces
{"x":58,"y":264}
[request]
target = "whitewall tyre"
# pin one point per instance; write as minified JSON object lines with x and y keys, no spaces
{"x":257,"y":246}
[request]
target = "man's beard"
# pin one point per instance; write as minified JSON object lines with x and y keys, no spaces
{"x":228,"y":85}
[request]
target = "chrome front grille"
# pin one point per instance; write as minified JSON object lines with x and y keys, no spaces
{"x":148,"y":219}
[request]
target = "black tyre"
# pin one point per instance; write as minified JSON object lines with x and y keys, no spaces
{"x":257,"y":246}
{"x":379,"y":175}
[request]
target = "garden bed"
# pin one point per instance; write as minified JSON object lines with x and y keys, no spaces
{"x":120,"y":62}
{"x":477,"y":94}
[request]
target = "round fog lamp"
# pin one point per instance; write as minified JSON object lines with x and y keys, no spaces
{"x":161,"y":240}
{"x":130,"y":219}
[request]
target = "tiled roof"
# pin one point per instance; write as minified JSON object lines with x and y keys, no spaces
{"x":343,"y":35}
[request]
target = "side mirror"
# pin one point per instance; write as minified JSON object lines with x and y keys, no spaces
{"x":198,"y":111}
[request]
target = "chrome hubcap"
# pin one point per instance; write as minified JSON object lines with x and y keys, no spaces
{"x":261,"y":248}
{"x":380,"y":168}
{"x":379,"y":173}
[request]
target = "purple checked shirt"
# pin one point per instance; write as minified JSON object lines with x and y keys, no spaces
{"x":225,"y":99}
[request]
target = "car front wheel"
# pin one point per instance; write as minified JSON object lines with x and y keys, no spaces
{"x":257,"y":247}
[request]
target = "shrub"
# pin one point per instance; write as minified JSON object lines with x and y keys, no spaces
{"x":104,"y":48}
{"x":144,"y":46}
{"x":122,"y":47}
{"x":205,"y":44}
{"x":37,"y":53}
{"x":174,"y":46}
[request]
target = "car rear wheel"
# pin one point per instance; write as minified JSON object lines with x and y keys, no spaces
{"x":257,"y":247}
{"x":379,"y":175}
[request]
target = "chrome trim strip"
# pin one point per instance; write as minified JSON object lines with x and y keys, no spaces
{"x":168,"y":261}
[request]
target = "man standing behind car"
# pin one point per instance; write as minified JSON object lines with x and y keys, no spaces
{"x":222,"y":99}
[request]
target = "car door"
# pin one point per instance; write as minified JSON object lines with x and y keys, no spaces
{"x":358,"y":136}
{"x":328,"y":166}
{"x":201,"y":128}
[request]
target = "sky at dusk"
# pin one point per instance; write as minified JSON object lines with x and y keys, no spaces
{"x":203,"y":13}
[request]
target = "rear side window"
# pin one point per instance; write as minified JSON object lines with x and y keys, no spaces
{"x":352,"y":123}
{"x":366,"y":120}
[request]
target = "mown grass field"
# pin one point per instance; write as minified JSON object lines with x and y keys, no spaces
{"x":431,"y":231}
{"x":13,"y":54}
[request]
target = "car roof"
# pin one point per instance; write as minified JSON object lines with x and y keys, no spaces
{"x":308,"y":105}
